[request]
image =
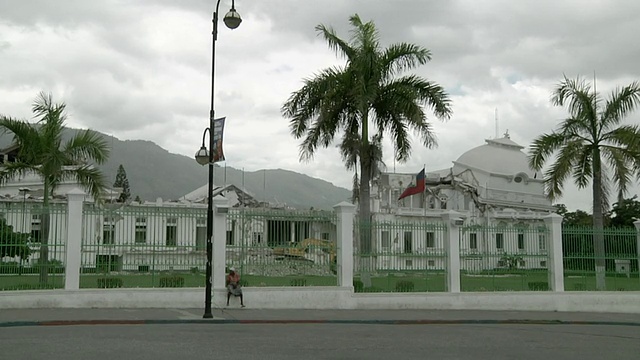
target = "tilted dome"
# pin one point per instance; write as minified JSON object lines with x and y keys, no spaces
{"x":497,"y":156}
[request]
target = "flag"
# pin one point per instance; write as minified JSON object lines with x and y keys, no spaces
{"x":217,"y":132}
{"x":415,"y":189}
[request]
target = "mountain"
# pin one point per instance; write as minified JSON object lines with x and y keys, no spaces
{"x":155,"y":172}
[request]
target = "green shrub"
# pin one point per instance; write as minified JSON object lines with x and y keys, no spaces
{"x":404,"y":286}
{"x":244,"y":283}
{"x":372,"y":289}
{"x":172,"y":281}
{"x":358,"y":286}
{"x":298,"y":282}
{"x":538,"y":286}
{"x":109,"y":283}
{"x":30,"y":287}
{"x":579,"y":287}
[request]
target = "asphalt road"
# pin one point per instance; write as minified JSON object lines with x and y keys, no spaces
{"x":320,"y":341}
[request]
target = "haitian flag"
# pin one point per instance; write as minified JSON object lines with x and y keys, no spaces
{"x":217,"y":132}
{"x":415,"y":189}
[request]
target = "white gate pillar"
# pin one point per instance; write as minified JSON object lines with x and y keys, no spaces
{"x":75,"y":200}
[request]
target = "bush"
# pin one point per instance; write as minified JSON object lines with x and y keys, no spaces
{"x":298,"y":282}
{"x":30,"y":287}
{"x":372,"y":289}
{"x":358,"y":286}
{"x":538,"y":286}
{"x":579,"y":287}
{"x":172,"y":281}
{"x":109,"y":283}
{"x":244,"y":283}
{"x":404,"y":286}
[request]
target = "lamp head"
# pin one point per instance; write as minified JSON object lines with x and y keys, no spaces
{"x":202,"y":156}
{"x":232,"y":19}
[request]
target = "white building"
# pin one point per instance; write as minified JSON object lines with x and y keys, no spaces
{"x":500,"y":199}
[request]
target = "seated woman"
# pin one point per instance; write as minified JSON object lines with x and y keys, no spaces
{"x":233,"y":286}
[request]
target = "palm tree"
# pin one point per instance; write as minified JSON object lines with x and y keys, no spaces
{"x":591,"y":145}
{"x":368,"y":91}
{"x":42,"y":151}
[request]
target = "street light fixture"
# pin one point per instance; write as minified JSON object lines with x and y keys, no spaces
{"x":232,"y":20}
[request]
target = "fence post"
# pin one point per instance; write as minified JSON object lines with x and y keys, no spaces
{"x":553,"y":222}
{"x":637,"y":225}
{"x":220,"y":210}
{"x":344,"y":240}
{"x":453,"y":221}
{"x":75,"y":199}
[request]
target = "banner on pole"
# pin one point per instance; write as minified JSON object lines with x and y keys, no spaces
{"x":217,"y":132}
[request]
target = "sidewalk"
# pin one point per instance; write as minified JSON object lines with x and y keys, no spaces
{"x":234,"y":315}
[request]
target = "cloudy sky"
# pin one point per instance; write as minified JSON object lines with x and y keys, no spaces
{"x":140,"y":69}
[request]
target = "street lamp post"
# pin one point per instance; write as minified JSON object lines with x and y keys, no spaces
{"x":232,"y":20}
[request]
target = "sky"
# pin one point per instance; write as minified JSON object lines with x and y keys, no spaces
{"x":142,"y":69}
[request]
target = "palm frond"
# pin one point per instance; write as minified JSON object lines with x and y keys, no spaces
{"x":89,"y":177}
{"x":12,"y":170}
{"x":622,"y":102}
{"x":87,"y":145}
{"x":577,"y":96}
{"x":402,"y":57}
{"x":341,"y":47}
{"x":560,"y":170}
{"x":543,"y":147}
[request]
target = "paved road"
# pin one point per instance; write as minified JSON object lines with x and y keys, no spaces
{"x":320,"y":341}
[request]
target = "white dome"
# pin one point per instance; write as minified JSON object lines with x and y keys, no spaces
{"x":497,"y":156}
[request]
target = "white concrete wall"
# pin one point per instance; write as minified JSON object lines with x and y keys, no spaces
{"x":326,"y":298}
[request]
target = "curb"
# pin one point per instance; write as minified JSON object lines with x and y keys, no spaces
{"x":355,"y":322}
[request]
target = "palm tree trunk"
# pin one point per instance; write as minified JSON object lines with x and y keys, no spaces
{"x":365,"y":228}
{"x":598,"y":223}
{"x":44,"y":240}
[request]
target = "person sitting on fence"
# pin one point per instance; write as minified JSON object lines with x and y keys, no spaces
{"x":233,"y":286}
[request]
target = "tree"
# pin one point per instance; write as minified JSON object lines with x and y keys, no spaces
{"x":366,"y":98}
{"x":13,"y":243}
{"x":42,"y":151}
{"x":591,"y":144}
{"x":122,"y":182}
{"x":624,"y":213}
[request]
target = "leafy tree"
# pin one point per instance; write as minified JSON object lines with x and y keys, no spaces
{"x":42,"y":151}
{"x":625,"y":213}
{"x":137,"y":199}
{"x":122,"y":182}
{"x":590,"y":144}
{"x":366,"y":98}
{"x":13,"y":243}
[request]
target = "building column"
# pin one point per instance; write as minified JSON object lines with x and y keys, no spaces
{"x":453,"y":220}
{"x":220,"y":210}
{"x":344,"y":241}
{"x":75,"y":200}
{"x":553,"y":222}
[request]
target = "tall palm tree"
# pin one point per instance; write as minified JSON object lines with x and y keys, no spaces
{"x":42,"y":151}
{"x":369,"y":91}
{"x":592,"y":146}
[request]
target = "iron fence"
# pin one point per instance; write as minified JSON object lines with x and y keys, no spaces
{"x":399,"y":256}
{"x":504,"y":258}
{"x":620,"y":258}
{"x":282,"y":247}
{"x":32,"y":245}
